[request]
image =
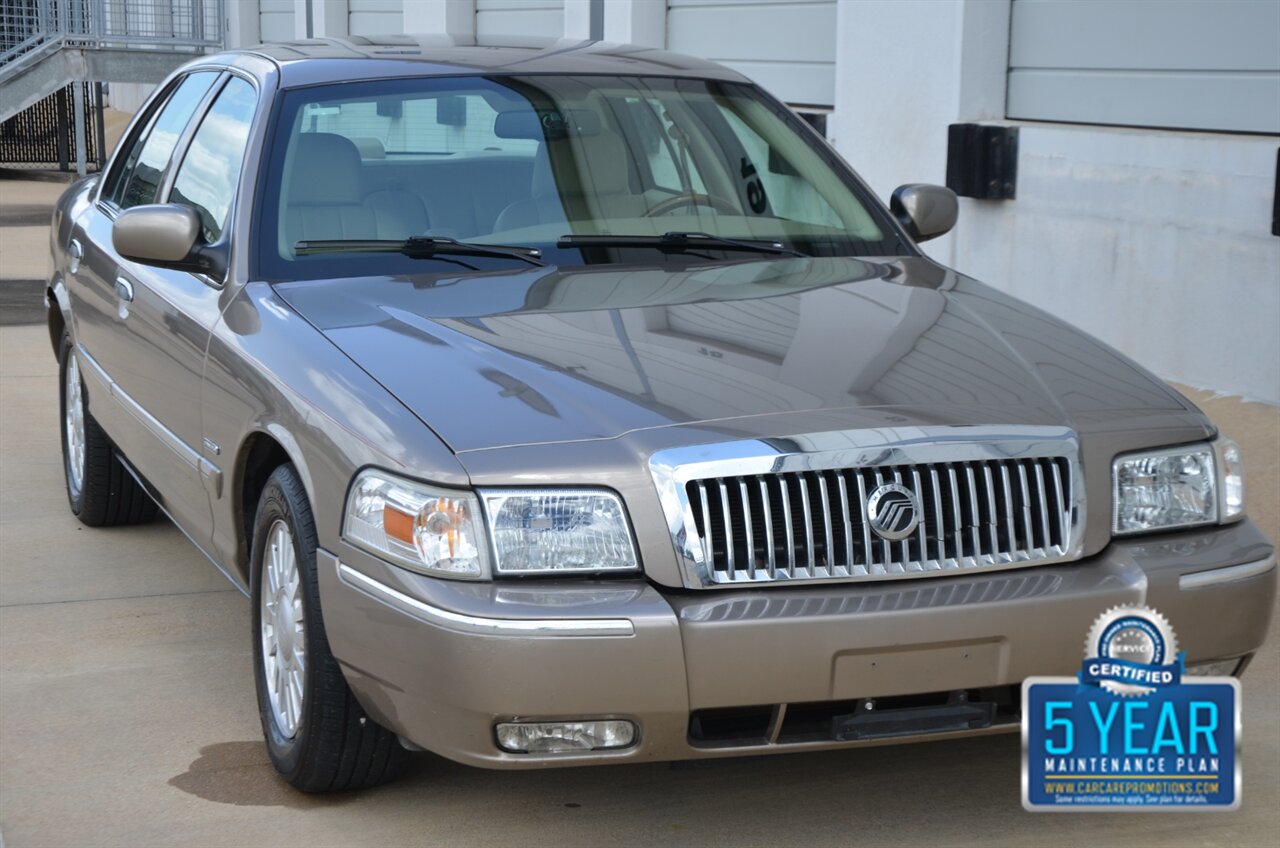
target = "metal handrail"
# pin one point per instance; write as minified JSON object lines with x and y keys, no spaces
{"x":29,"y":27}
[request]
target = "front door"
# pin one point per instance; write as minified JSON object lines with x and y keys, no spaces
{"x":150,"y":331}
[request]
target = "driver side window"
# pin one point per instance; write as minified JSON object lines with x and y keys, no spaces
{"x":210,"y":169}
{"x":139,"y":179}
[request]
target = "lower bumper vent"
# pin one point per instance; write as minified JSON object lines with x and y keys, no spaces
{"x":855,"y":720}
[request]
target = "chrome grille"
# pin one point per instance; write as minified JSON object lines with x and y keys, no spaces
{"x":801,"y":515}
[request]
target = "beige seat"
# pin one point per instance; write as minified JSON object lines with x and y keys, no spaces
{"x":597,"y":183}
{"x":327,"y":201}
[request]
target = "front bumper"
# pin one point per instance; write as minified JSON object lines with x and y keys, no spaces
{"x":442,"y":662}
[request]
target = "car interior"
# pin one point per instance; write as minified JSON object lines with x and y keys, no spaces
{"x":475,"y":165}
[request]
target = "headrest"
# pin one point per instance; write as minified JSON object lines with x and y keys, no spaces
{"x":542,"y":125}
{"x":370,"y":148}
{"x":600,"y":165}
{"x":326,"y":170}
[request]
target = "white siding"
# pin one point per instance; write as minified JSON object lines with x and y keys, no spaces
{"x":276,"y":20}
{"x":788,"y":46}
{"x":1190,"y":64}
{"x":375,"y":17}
{"x":520,"y":17}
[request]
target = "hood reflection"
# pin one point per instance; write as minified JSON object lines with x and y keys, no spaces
{"x":547,"y":355}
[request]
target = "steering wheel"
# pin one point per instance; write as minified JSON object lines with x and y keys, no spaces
{"x":690,"y":199}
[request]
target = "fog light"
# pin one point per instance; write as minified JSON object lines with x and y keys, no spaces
{"x":1214,"y":668}
{"x":553,"y":737}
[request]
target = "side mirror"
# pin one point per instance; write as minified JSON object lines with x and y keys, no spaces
{"x":167,"y":235}
{"x":927,"y":211}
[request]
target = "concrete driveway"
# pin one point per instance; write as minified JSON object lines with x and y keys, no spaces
{"x":127,"y":715}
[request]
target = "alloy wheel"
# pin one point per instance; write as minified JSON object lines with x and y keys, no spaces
{"x":74,"y":424}
{"x":283,"y":630}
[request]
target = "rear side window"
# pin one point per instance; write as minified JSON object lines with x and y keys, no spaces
{"x":211,"y":166}
{"x":139,"y":180}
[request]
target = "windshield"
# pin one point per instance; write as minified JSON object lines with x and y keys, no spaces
{"x":527,"y":161}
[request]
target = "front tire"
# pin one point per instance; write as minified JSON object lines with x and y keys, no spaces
{"x":99,"y":489}
{"x":318,"y":736}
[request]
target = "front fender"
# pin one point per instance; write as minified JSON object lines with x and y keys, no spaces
{"x":270,"y":372}
{"x":57,"y":308}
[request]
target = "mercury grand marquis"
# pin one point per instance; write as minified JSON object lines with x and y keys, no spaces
{"x":564,"y":404}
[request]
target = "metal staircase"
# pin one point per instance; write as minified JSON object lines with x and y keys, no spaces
{"x":45,"y":45}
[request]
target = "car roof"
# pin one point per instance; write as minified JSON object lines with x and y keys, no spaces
{"x":324,"y":60}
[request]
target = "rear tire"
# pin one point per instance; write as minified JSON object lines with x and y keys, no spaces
{"x":99,"y":489}
{"x":318,"y":736}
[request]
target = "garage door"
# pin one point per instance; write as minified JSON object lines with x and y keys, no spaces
{"x":788,"y":46}
{"x":275,"y":18}
{"x":1187,"y":64}
{"x":520,"y":17}
{"x":375,"y":17}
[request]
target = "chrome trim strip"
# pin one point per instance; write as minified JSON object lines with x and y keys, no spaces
{"x":1006,"y":490}
{"x":706,"y":519}
{"x":1029,"y":536}
{"x":808,"y":528}
{"x":1229,"y":574}
{"x":922,"y":526}
{"x":992,"y":532}
{"x":828,"y":538}
{"x":473,"y":624}
{"x":866,"y":527}
{"x":846,"y":519}
{"x":791,"y":532}
{"x":871,"y":456}
{"x":771,"y":564}
{"x":975,"y":514}
{"x":1044,"y":504}
{"x":728,"y":523}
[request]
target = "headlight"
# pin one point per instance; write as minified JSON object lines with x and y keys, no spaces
{"x":558,"y":531}
{"x":1177,"y":487}
{"x":421,"y":527}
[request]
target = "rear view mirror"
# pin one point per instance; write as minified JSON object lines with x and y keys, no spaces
{"x":166,"y":235}
{"x":927,"y":211}
{"x":451,"y":111}
{"x":546,"y":124}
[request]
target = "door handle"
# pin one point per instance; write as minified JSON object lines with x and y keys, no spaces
{"x":124,"y":289}
{"x":77,"y":253}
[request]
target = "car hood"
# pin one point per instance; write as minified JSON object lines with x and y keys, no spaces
{"x":547,"y":355}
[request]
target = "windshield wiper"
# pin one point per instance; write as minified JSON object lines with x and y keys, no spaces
{"x":420,"y":247}
{"x":678,"y":241}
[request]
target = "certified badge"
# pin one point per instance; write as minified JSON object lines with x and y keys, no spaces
{"x":1131,"y":651}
